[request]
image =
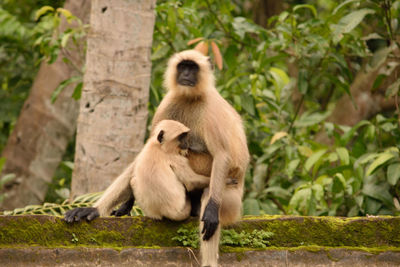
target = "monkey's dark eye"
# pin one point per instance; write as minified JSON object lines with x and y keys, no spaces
{"x":188,"y":65}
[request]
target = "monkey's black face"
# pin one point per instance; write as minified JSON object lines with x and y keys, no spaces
{"x":187,"y":73}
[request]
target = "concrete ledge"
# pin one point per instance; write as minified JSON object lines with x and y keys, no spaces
{"x":43,"y":240}
{"x":35,"y":256}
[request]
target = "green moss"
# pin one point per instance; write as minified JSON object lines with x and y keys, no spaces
{"x":288,"y":232}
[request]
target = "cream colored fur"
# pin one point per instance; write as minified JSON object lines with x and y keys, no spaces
{"x":212,"y":118}
{"x":162,"y":173}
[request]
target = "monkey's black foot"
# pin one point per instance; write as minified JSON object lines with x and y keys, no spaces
{"x":124,"y":209}
{"x":79,"y":214}
{"x":210,"y":219}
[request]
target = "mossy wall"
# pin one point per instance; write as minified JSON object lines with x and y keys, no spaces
{"x":288,"y":231}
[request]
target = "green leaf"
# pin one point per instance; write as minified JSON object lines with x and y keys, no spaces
{"x":68,"y":164}
{"x":61,"y":87}
{"x":241,"y":25}
{"x":300,"y":200}
{"x":292,"y":166}
{"x":42,"y":11}
{"x":342,"y":5}
{"x":248,"y":104}
{"x":313,"y":159}
{"x":379,"y":192}
{"x":348,"y":23}
{"x":77,"y":91}
{"x":393,"y":89}
{"x":302,"y":81}
{"x":161,"y":52}
{"x":393,"y":173}
{"x":310,"y":7}
{"x":67,"y":14}
{"x":309,"y":119}
{"x":343,"y":155}
{"x":2,"y":162}
{"x":172,"y":21}
{"x":339,"y":183}
{"x":251,"y":207}
{"x":64,"y":39}
{"x":281,"y":79}
{"x":380,"y":160}
{"x":305,"y":151}
{"x":259,"y":174}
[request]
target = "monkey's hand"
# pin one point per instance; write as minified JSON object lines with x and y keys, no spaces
{"x":79,"y":214}
{"x":124,"y":209}
{"x":210,"y":219}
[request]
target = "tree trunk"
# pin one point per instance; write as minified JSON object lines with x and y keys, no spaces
{"x":40,"y":137}
{"x":113,"y":110}
{"x":264,"y":9}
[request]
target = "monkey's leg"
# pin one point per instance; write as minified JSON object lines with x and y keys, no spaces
{"x":195,"y":201}
{"x":125,"y":208}
{"x":116,"y":193}
{"x":229,"y":213}
{"x":231,"y":207}
{"x":161,"y":195}
{"x":208,"y":248}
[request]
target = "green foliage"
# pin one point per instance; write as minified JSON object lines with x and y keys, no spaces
{"x":4,"y":179}
{"x":285,"y":80}
{"x":86,"y":200}
{"x":189,"y":237}
{"x":255,"y":239}
{"x":19,"y":57}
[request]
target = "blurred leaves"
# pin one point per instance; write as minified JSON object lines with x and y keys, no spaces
{"x":284,"y":80}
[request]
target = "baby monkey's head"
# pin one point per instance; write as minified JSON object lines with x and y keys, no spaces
{"x":172,"y":136}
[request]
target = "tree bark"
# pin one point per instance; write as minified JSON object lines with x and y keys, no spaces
{"x":264,"y":9}
{"x":113,"y":110}
{"x":40,"y":137}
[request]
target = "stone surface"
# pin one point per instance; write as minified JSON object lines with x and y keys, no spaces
{"x":36,"y":256}
{"x":41,"y":240}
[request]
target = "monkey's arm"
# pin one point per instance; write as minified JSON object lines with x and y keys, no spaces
{"x":116,"y":193}
{"x":220,"y":170}
{"x":187,"y":176}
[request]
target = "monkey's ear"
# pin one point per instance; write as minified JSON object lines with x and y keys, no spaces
{"x":211,"y":64}
{"x":160,"y":136}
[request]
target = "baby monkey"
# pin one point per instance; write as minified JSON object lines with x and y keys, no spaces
{"x":162,"y":174}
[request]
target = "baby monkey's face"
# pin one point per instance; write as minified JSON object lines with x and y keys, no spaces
{"x":183,"y":140}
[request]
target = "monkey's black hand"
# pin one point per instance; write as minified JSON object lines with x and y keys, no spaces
{"x":124,"y":209}
{"x":210,"y":219}
{"x":78,"y":214}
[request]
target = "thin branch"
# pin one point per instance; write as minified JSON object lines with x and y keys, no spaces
{"x":278,"y":204}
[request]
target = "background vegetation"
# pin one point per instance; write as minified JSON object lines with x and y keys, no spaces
{"x":287,"y":77}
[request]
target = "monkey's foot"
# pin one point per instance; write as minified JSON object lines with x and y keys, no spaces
{"x":79,"y":214}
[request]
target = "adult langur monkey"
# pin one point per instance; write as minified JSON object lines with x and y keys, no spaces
{"x":193,"y":100}
{"x":218,"y":148}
